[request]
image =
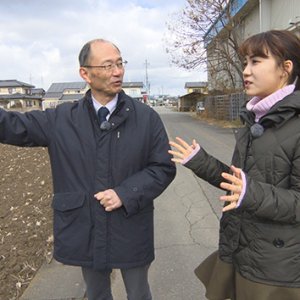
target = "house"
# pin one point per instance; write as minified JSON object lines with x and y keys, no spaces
{"x":198,"y":87}
{"x":195,"y":93}
{"x":73,"y":91}
{"x":61,"y":92}
{"x":135,"y":90}
{"x":249,"y":17}
{"x":38,"y":92}
{"x":19,"y":95}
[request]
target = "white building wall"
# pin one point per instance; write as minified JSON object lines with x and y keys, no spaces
{"x":283,"y":13}
{"x":272,"y":14}
{"x":133,"y":92}
{"x":267,"y":15}
{"x":251,"y":23}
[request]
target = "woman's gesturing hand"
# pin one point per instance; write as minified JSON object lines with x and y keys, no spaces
{"x":235,"y":188}
{"x":183,"y":149}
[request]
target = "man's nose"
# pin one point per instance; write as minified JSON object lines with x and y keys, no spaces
{"x":117,"y":70}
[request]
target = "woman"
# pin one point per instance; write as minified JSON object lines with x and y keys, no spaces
{"x":259,"y":245}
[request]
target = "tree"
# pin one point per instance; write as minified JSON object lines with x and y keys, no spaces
{"x":206,"y":34}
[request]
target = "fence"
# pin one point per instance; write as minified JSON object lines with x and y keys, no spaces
{"x":224,"y":107}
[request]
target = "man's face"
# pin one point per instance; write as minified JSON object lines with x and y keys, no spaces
{"x":105,"y":71}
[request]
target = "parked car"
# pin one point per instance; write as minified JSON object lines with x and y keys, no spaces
{"x":200,"y":106}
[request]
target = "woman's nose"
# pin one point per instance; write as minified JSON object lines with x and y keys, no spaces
{"x":246,"y":70}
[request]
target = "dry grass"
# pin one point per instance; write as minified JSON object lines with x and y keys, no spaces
{"x":221,"y":123}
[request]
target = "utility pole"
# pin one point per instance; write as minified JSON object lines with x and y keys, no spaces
{"x":42,"y":81}
{"x":147,"y":82}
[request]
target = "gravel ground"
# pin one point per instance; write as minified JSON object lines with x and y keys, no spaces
{"x":25,"y":217}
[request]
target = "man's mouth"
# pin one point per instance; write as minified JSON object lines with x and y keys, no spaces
{"x":119,"y":82}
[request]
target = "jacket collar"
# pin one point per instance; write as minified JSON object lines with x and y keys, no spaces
{"x":281,"y":112}
{"x":124,"y":108}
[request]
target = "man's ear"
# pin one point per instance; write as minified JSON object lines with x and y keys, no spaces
{"x":84,"y":74}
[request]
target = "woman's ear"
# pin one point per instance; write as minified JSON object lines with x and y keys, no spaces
{"x":288,"y":67}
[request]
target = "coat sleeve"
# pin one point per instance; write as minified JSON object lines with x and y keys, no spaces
{"x":207,"y":167}
{"x":24,"y":129}
{"x":139,"y":190}
{"x":274,"y":202}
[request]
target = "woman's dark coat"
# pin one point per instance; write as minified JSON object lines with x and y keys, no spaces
{"x":131,"y":158}
{"x":262,"y":236}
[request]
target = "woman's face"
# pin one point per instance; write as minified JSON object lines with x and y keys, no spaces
{"x":263,"y":76}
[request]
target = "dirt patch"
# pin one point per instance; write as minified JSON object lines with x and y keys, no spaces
{"x":25,"y":217}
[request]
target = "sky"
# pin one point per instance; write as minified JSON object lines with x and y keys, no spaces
{"x":40,"y":40}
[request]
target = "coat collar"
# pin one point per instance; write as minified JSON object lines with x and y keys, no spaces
{"x":124,"y":108}
{"x":281,"y":112}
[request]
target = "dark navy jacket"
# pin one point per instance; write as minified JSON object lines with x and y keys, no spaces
{"x":131,"y":158}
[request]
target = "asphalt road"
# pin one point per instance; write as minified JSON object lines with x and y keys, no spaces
{"x":216,"y":140}
{"x":186,"y":227}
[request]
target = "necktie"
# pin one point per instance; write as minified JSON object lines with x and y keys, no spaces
{"x":102,"y":113}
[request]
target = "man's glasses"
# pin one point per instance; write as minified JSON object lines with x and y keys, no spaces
{"x":110,"y":67}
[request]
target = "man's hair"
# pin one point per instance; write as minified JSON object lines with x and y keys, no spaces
{"x":85,"y":52}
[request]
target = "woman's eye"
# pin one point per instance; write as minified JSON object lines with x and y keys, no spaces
{"x":255,"y":61}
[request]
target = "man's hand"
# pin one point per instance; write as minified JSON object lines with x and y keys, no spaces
{"x":109,"y":199}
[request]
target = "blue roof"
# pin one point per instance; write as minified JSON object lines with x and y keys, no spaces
{"x":235,"y":7}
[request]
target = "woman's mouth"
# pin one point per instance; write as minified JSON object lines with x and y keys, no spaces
{"x":247,"y":83}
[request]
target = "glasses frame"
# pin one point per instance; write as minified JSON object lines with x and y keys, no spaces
{"x":109,"y":67}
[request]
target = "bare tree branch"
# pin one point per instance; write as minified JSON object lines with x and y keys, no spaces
{"x":205,"y":34}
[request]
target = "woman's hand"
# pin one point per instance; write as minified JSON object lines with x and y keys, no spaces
{"x":235,"y":187}
{"x":183,"y":149}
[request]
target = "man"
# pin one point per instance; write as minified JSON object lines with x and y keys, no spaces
{"x":106,"y":174}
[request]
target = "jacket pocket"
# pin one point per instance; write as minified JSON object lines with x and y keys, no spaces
{"x":67,"y":201}
{"x":73,"y":227}
{"x":272,"y":253}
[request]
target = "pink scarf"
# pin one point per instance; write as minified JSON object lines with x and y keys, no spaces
{"x":261,"y":106}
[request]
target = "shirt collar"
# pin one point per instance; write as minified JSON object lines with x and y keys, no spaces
{"x":111,"y":105}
